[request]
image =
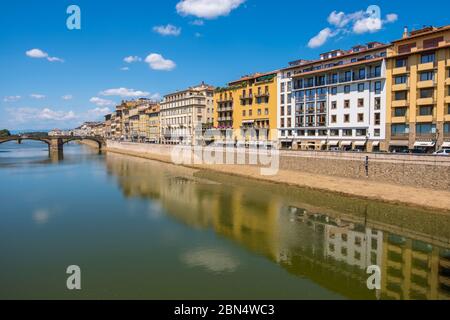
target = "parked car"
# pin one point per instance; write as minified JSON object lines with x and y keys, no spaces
{"x":443,"y":152}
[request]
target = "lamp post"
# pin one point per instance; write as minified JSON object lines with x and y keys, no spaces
{"x":435,"y":140}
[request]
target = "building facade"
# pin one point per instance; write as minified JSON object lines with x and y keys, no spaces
{"x":418,"y":75}
{"x":183,"y":112}
{"x":248,"y":106}
{"x":336,"y":102}
{"x":154,"y":124}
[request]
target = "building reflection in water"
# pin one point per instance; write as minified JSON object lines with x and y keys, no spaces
{"x":325,"y":246}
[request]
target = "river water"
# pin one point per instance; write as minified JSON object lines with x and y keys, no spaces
{"x":140,"y":229}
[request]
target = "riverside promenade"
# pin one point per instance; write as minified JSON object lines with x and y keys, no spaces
{"x":422,"y":181}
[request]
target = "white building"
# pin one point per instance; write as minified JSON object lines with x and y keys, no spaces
{"x":182,"y":112}
{"x":336,"y":102}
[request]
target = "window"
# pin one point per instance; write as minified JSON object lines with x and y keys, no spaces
{"x":426,"y":110}
{"x":399,"y":63}
{"x":250,"y":112}
{"x":361,"y":87}
{"x":377,"y":119}
{"x":346,"y":103}
{"x":266,"y":111}
{"x":333,"y":105}
{"x":377,"y":103}
{"x":426,"y":93}
{"x":259,"y":112}
{"x":243,"y":113}
{"x":425,"y":128}
{"x":401,"y":95}
{"x":347,"y":133}
{"x":427,"y":76}
{"x":399,"y":129}
{"x":346,"y":118}
{"x":400,"y":112}
{"x":334,"y":91}
{"x":333,"y":118}
{"x":427,"y":58}
{"x":361,"y":132}
{"x":377,"y":132}
{"x":447,"y":128}
{"x":282,"y":97}
{"x":378,"y":87}
{"x":334,"y":132}
{"x":347,"y":89}
{"x":361,"y":102}
{"x":282,"y":88}
{"x":448,"y":108}
{"x":432,"y":43}
{"x":360,"y":117}
{"x":401,"y":79}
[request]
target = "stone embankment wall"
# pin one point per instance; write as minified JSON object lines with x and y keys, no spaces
{"x":424,"y":171}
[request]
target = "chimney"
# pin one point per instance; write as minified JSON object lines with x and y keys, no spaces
{"x":405,"y":33}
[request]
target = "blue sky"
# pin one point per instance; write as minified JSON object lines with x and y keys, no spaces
{"x":170,"y":45}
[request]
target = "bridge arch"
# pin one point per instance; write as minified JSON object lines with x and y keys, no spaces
{"x":20,"y":139}
{"x":99,"y":141}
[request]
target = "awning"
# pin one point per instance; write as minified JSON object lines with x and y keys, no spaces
{"x":248,"y":121}
{"x":426,"y":144}
{"x":399,"y":143}
{"x":323,"y":142}
{"x":360,"y":143}
{"x":286,"y":140}
{"x":446,"y":145}
{"x":346,"y":143}
{"x":333,"y":143}
{"x":376,"y":143}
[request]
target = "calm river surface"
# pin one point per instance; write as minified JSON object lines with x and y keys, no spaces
{"x":146,"y":230}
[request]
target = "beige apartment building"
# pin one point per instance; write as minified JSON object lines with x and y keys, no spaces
{"x":182,"y":112}
{"x":418,"y":104}
{"x":153,"y":127}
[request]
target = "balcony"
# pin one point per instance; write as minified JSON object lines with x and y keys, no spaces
{"x":425,"y":101}
{"x":426,"y":84}
{"x":229,"y":99}
{"x":399,"y":71}
{"x":400,"y":87}
{"x":322,"y":97}
{"x":246,"y":97}
{"x":400,"y":103}
{"x":345,"y":79}
{"x":425,"y":66}
{"x":262,"y":94}
{"x":373,"y":75}
{"x":400,"y":136}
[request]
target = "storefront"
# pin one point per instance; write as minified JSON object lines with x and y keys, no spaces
{"x":346,"y":145}
{"x":425,"y":146}
{"x":360,"y":146}
{"x":399,"y":146}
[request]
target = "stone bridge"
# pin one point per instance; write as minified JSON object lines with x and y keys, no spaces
{"x":55,"y":143}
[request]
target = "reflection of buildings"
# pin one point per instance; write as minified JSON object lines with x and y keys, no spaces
{"x":357,"y":248}
{"x":330,"y":249}
{"x":414,"y":270}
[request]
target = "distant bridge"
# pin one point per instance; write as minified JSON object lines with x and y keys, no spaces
{"x":55,"y":143}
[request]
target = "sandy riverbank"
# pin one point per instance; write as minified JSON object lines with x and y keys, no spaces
{"x":420,"y":197}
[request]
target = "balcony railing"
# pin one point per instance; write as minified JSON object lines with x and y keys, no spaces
{"x":246,"y":97}
{"x":372,"y":75}
{"x":262,"y":94}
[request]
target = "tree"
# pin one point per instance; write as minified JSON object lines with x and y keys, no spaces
{"x":5,"y":133}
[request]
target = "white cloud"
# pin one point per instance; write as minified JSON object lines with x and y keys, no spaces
{"x":132,"y":59}
{"x":124,"y":92}
{"x":155,"y":97}
{"x":158,"y":62}
{"x":12,"y":98}
{"x":67,"y":97}
{"x":168,"y":30}
{"x":367,"y":25}
{"x":198,"y":22}
{"x":198,"y":35}
{"x":39,"y":54}
{"x":101,"y":102}
{"x":207,"y":9}
{"x":97,"y":112}
{"x":24,"y":115}
{"x":359,"y":22}
{"x":391,"y":17}
{"x":125,"y":69}
{"x":37,"y":96}
{"x":320,"y":38}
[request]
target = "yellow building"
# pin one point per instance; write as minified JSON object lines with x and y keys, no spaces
{"x":249,"y":107}
{"x":153,"y":129}
{"x":418,"y":101}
